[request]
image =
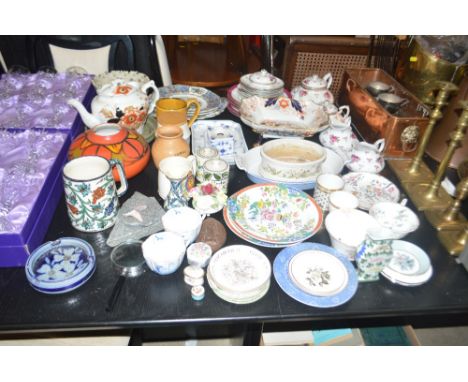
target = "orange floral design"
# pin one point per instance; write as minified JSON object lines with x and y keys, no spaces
{"x":123,"y":89}
{"x":98,"y":194}
{"x":283,"y":103}
{"x":142,"y":116}
{"x":72,"y":208}
{"x":130,"y":119}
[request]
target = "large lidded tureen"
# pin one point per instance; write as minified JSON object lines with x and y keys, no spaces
{"x":314,"y":89}
{"x":127,"y":103}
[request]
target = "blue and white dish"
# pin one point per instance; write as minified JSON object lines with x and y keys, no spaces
{"x":251,"y":160}
{"x":231,"y":129}
{"x":60,"y":266}
{"x":281,"y":271}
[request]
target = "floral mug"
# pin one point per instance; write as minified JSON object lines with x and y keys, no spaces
{"x":90,"y":192}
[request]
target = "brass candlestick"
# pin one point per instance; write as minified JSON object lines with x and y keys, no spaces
{"x":415,"y":170}
{"x":450,"y":219}
{"x":430,"y":195}
{"x":454,"y":241}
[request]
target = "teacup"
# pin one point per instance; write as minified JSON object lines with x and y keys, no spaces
{"x":164,"y":252}
{"x":342,"y":200}
{"x":378,"y":87}
{"x":184,"y":221}
{"x":325,"y":185}
{"x":176,"y":167}
{"x":202,"y":154}
{"x":391,"y":101}
{"x":173,"y":112}
{"x":91,"y":194}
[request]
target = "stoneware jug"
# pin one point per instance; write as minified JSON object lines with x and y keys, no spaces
{"x":125,"y":103}
{"x":169,"y":142}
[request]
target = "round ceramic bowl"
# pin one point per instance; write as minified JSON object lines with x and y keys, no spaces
{"x":348,"y":229}
{"x":164,"y":252}
{"x":291,"y":159}
{"x":184,"y":221}
{"x":395,"y":217}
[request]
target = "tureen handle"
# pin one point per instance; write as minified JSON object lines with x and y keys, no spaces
{"x":153,"y":97}
{"x":328,"y":78}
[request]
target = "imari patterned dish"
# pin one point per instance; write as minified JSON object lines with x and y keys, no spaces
{"x":409,"y":266}
{"x":370,"y":188}
{"x":60,"y":266}
{"x":340,"y":295}
{"x":275,"y":214}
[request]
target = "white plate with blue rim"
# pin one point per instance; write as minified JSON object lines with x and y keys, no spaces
{"x":337,"y":293}
{"x":60,"y":266}
{"x":250,"y":163}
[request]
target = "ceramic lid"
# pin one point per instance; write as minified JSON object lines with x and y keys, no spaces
{"x":60,"y":266}
{"x":315,"y":82}
{"x":261,"y":80}
{"x":194,"y":272}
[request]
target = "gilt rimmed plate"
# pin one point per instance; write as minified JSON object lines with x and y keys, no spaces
{"x":370,"y":188}
{"x":281,"y":274}
{"x":274,"y":213}
{"x":207,"y":99}
{"x":318,"y":273}
{"x":60,"y":266}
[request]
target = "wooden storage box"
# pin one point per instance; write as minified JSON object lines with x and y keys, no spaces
{"x":402,"y":131}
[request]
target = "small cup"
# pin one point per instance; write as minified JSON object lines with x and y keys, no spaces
{"x":184,"y":221}
{"x":202,"y":154}
{"x":325,"y":185}
{"x":342,"y":200}
{"x":164,"y":252}
{"x":199,"y":254}
{"x":216,"y":171}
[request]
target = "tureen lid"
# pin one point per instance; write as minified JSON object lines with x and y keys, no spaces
{"x":261,"y":80}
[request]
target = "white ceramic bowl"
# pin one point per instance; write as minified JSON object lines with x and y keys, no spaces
{"x":396,"y":218}
{"x":290,"y":159}
{"x":164,"y":252}
{"x":348,"y":229}
{"x":184,"y":221}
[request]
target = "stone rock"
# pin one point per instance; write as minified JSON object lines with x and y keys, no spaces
{"x":213,"y":233}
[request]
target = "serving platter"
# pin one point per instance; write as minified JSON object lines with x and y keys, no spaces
{"x":281,"y":272}
{"x":276,"y":214}
{"x":370,"y":188}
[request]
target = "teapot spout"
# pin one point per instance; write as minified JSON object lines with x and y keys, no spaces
{"x":89,"y":119}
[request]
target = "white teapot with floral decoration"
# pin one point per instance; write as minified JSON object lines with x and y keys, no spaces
{"x":314,"y":89}
{"x":124,"y":102}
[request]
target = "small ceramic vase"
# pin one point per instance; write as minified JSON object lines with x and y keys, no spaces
{"x":169,"y":142}
{"x":372,"y":257}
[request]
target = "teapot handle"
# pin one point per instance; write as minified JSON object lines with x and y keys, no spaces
{"x":154,"y":95}
{"x":344,"y":108}
{"x":328,"y":77}
{"x":380,"y":144}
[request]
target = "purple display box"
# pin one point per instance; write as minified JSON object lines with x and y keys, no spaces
{"x":16,"y":247}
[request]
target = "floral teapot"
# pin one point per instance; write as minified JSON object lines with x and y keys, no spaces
{"x":122,"y":102}
{"x":367,"y":157}
{"x":315,"y":90}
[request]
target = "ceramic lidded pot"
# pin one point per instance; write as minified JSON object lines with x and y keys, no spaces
{"x":339,"y":138}
{"x":112,"y":141}
{"x":261,"y":80}
{"x":366,"y":157}
{"x":169,"y":142}
{"x":315,"y":90}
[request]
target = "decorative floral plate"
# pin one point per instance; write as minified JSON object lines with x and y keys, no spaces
{"x":318,"y":273}
{"x":200,"y":137}
{"x":281,"y":273}
{"x":60,"y":266}
{"x":370,"y":188}
{"x":273,"y":213}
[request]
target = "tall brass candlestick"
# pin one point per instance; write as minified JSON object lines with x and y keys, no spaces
{"x":450,"y":219}
{"x":431,"y":195}
{"x":454,"y":241}
{"x":415,"y":170}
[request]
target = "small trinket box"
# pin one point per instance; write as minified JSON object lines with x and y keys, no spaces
{"x":199,"y":254}
{"x":198,"y":293}
{"x":193,"y":275}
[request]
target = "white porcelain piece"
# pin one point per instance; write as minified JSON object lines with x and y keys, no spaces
{"x":398,"y":219}
{"x":261,"y":80}
{"x":348,"y":229}
{"x":342,"y":200}
{"x":221,"y":138}
{"x":318,"y":273}
{"x":291,"y":159}
{"x":367,"y":157}
{"x":370,"y":188}
{"x":177,"y":168}
{"x":197,"y":292}
{"x":192,"y":281}
{"x":339,"y":138}
{"x":199,"y":254}
{"x":184,"y":221}
{"x":314,"y":90}
{"x":325,"y":185}
{"x":164,"y":252}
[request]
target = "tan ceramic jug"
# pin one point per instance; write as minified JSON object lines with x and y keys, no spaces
{"x":169,"y":142}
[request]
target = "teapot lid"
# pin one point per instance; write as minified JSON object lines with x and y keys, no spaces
{"x":261,"y":80}
{"x":315,"y":82}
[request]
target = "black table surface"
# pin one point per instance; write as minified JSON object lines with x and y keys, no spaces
{"x":155,"y":301}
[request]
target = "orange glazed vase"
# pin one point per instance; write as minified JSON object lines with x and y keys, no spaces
{"x":169,"y":142}
{"x":112,"y":141}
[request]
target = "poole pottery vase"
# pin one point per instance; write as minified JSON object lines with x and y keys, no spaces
{"x":169,"y":142}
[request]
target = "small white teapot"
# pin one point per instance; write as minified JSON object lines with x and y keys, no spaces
{"x":314,"y":89}
{"x":367,"y":157}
